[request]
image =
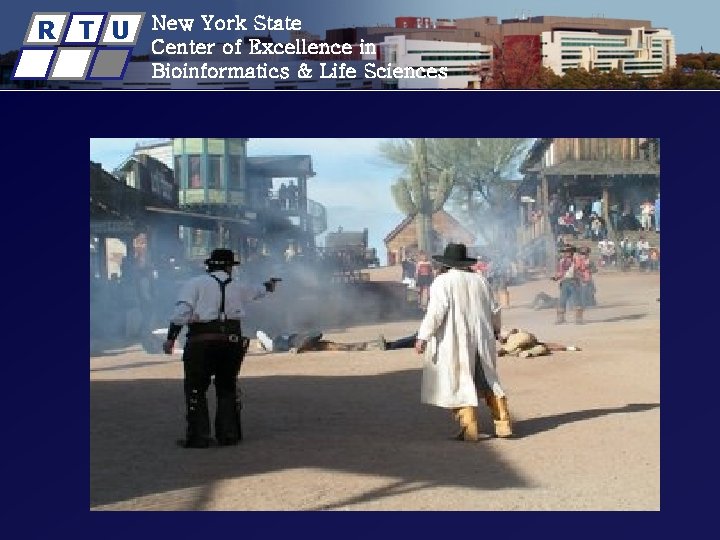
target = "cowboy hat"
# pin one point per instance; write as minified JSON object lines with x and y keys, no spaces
{"x":455,"y":256}
{"x":221,"y":257}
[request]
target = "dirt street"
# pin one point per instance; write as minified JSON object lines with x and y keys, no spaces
{"x":346,"y":430}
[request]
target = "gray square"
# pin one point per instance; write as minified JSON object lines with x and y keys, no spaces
{"x":109,"y":63}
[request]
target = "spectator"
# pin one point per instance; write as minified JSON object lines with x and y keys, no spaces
{"x":654,"y":259}
{"x":596,"y":228}
{"x":408,"y":272}
{"x":607,"y":252}
{"x":283,"y":196}
{"x":642,"y":249}
{"x":292,"y":195}
{"x":627,"y":252}
{"x":423,"y":279}
{"x":646,"y":210}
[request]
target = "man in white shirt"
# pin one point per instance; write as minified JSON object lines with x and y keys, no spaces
{"x":646,"y":211}
{"x":642,"y":249}
{"x":457,"y":336}
{"x":607,"y":251}
{"x":211,"y":305}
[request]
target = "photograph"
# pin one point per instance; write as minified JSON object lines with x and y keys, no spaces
{"x":364,"y":324}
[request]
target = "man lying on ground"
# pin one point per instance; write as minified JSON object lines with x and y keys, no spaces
{"x":521,"y":343}
{"x":312,"y":341}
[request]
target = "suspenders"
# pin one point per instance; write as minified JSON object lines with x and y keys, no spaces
{"x":221,"y":314}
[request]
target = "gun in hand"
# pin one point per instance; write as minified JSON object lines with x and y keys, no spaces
{"x":270,"y":284}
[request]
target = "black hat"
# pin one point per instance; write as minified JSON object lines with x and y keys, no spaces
{"x":567,"y":247}
{"x":455,"y":256}
{"x":221,"y":257}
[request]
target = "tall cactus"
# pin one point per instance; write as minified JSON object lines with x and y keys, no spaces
{"x":424,"y":193}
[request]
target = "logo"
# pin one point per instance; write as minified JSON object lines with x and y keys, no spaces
{"x":78,"y":46}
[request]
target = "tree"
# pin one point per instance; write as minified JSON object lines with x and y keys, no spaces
{"x":517,"y":64}
{"x":426,"y":189}
{"x":482,"y":196}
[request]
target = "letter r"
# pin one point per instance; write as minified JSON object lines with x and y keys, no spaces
{"x":45,"y":29}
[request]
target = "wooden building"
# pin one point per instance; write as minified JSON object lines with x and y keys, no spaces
{"x":403,"y":239}
{"x":619,"y":172}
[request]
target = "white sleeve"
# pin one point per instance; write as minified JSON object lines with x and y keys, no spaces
{"x":185,"y":305}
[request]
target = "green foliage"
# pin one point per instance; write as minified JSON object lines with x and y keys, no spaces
{"x":426,"y":189}
{"x":675,"y":79}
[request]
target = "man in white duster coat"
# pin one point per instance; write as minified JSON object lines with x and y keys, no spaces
{"x":457,"y":336}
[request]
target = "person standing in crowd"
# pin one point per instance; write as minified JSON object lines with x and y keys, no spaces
{"x":654,"y":259}
{"x":423,"y":279}
{"x":283,"y":196}
{"x":568,"y":277}
{"x":408,"y":271}
{"x":607,"y":252}
{"x":292,"y":191}
{"x":642,"y":249}
{"x":212,"y":307}
{"x":646,"y":210}
{"x":457,"y":337}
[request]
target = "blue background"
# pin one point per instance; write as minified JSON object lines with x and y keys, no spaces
{"x":46,"y":390}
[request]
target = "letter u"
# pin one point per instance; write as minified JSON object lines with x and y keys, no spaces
{"x":116,"y":32}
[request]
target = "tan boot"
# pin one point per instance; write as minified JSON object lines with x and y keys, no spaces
{"x":578,"y":316}
{"x":467,"y":418}
{"x":560,"y":317}
{"x":500,"y":414}
{"x":504,"y":298}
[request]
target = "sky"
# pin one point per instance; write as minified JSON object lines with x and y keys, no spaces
{"x":352,"y":182}
{"x":693,"y":22}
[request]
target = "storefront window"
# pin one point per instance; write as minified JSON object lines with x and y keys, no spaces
{"x":216,"y":172}
{"x":236,"y":172}
{"x":194,"y":177}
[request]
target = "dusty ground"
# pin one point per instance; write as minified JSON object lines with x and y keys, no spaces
{"x":346,"y":431}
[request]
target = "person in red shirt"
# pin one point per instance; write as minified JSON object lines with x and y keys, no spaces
{"x":568,"y":275}
{"x":423,"y":279}
{"x":481,"y":266}
{"x":586,"y":268}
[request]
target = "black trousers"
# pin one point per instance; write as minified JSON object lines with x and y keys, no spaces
{"x":202,"y":361}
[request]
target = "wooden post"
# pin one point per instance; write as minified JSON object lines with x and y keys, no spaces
{"x":605,"y":203}
{"x":547,"y":227}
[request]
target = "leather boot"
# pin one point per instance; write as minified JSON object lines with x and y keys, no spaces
{"x":467,"y":418}
{"x":578,"y":316}
{"x":500,"y":414}
{"x":560,"y":316}
{"x":198,"y":420}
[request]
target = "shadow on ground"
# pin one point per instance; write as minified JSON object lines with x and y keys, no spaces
{"x":364,"y":425}
{"x":527,"y":428}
